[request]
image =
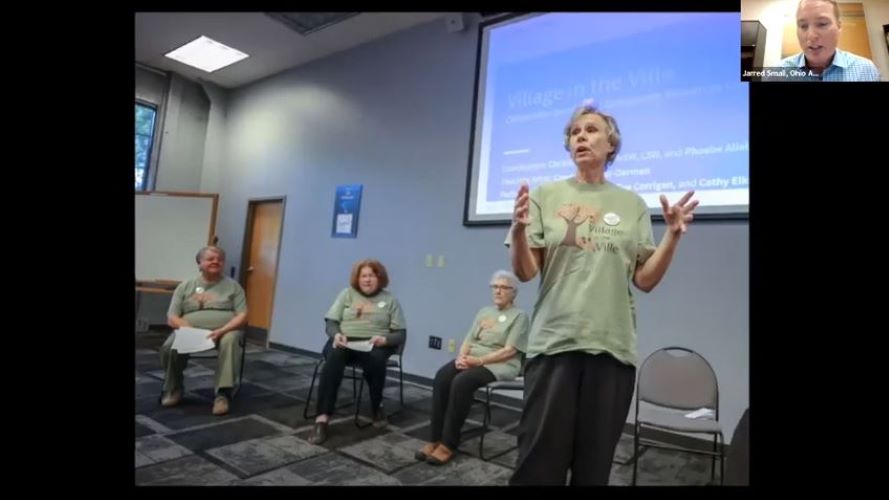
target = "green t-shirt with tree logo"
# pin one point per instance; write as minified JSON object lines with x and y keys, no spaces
{"x":492,"y":330}
{"x":594,"y":235}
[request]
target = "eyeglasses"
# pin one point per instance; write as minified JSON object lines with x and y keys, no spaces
{"x":501,"y":287}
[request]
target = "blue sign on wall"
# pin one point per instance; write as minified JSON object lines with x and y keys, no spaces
{"x":345,"y":211}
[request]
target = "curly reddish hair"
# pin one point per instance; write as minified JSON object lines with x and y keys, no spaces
{"x":376,"y":266}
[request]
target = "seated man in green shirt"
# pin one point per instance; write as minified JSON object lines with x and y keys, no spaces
{"x":213,"y":302}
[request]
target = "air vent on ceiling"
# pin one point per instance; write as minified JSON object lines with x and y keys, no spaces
{"x":306,"y":23}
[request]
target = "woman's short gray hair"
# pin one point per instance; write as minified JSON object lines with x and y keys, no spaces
{"x":508,"y":276}
{"x":202,"y":251}
{"x":613,"y":131}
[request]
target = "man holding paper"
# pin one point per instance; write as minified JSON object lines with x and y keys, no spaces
{"x":211,"y":306}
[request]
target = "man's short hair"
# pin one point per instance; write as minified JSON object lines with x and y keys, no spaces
{"x":211,"y":248}
{"x":836,"y":7}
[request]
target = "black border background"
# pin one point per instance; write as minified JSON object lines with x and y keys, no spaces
{"x":817,"y":151}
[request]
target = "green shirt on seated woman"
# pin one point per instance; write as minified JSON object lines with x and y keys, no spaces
{"x":212,"y":302}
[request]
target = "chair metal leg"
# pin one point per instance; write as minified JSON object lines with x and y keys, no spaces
{"x":243,"y":343}
{"x":635,"y":451}
{"x":311,"y":388}
{"x":358,"y":406}
{"x":355,"y":391}
{"x":359,"y":392}
{"x":713,"y":459}
{"x":486,"y":420}
{"x":721,"y":460}
{"x":401,"y":384}
{"x":355,"y":394}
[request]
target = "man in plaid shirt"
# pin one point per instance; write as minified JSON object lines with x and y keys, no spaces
{"x":818,"y":29}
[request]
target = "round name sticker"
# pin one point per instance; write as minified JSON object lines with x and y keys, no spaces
{"x":381,"y":304}
{"x":502,"y":318}
{"x":199,"y":289}
{"x":611,"y":218}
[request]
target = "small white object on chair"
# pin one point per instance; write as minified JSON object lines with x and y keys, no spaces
{"x":701,"y":413}
{"x":360,"y":345}
{"x":188,"y":340}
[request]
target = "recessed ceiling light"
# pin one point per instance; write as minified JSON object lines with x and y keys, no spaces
{"x":206,"y":54}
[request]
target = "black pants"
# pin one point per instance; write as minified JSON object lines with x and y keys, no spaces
{"x":576,"y":405}
{"x":452,"y":392}
{"x":373,"y":364}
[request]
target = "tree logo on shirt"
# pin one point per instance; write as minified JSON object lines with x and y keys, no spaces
{"x":203,"y":298}
{"x":574,"y":216}
{"x":362,"y":308}
{"x":484,"y":324}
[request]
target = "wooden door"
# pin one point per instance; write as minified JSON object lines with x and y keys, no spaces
{"x":260,"y":265}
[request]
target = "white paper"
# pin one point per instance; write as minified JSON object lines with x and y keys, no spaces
{"x":702,"y":413}
{"x":344,"y":223}
{"x":360,"y":345}
{"x":188,"y":340}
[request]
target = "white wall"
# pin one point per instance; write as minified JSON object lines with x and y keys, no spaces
{"x":771,"y":13}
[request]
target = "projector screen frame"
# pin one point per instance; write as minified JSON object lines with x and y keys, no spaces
{"x":731,"y":213}
{"x":475,"y":90}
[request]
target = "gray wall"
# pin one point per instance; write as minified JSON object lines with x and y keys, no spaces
{"x":151,"y":86}
{"x":181,"y":155}
{"x":214,"y":145}
{"x":395,"y":116}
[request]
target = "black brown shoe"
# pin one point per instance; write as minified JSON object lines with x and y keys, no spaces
{"x":425,"y":451}
{"x":380,"y":421}
{"x":319,"y":433}
{"x":171,"y":398}
{"x":440,"y":456}
{"x":220,"y":405}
